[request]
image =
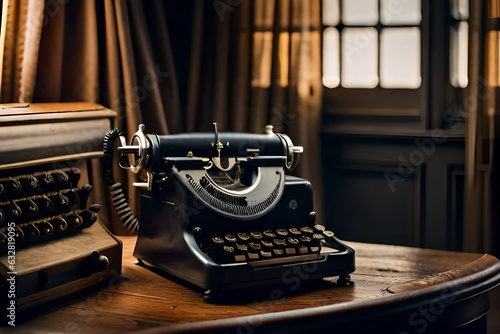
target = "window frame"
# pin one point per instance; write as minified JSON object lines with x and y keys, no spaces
{"x":435,"y":104}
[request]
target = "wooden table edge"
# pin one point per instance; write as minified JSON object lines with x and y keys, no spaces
{"x":472,"y":280}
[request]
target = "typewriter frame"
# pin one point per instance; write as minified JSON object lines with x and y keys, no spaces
{"x":176,"y":220}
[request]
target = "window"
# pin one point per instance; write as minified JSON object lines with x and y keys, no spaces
{"x":394,"y":62}
{"x":366,"y":45}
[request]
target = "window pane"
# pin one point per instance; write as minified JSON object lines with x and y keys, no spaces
{"x":360,"y":12}
{"x":400,"y":58}
{"x":331,"y":66}
{"x":331,"y":12}
{"x":400,"y":12}
{"x":359,"y":58}
{"x":459,"y":42}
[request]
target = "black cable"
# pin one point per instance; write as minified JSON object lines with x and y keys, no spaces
{"x":108,"y":147}
{"x":118,"y":198}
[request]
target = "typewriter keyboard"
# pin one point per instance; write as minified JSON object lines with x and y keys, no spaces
{"x":43,"y":205}
{"x":269,"y":247}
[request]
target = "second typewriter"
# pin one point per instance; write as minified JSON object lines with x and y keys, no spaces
{"x":219,"y":211}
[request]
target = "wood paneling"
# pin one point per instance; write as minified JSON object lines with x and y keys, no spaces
{"x":404,"y":191}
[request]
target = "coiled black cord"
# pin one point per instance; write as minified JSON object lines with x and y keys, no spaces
{"x":118,"y":198}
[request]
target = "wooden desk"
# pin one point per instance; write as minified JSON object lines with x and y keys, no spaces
{"x":396,"y":290}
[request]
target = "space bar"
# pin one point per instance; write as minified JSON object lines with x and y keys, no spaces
{"x":283,"y":260}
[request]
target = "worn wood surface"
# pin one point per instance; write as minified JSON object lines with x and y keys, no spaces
{"x":386,"y":278}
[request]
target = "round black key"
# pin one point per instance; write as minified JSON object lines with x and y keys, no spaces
{"x":279,"y":242}
{"x":269,"y":233}
{"x":292,"y":241}
{"x":217,"y":240}
{"x":307,"y":230}
{"x":265,"y":254}
{"x":318,"y":236}
{"x":328,"y":234}
{"x":295,"y":231}
{"x":267,"y":244}
{"x":228,"y":249}
{"x":230,"y":238}
{"x":254,"y":246}
{"x":256,"y":235}
{"x":243,"y":236}
{"x":282,"y":232}
{"x":319,"y":228}
{"x":304,"y":239}
{"x":242,"y":248}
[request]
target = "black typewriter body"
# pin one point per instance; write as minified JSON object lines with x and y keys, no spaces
{"x":234,"y":223}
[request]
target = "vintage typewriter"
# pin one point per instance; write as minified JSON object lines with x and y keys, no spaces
{"x":218,"y":211}
{"x":51,"y":241}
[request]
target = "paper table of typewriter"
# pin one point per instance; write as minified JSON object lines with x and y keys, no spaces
{"x":218,"y":210}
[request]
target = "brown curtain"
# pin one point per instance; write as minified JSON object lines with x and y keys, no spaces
{"x":481,"y":188}
{"x":253,"y":62}
{"x":258,"y":62}
{"x":116,"y":53}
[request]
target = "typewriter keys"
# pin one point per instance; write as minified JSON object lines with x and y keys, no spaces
{"x":230,"y":238}
{"x":243,"y":236}
{"x":289,"y":245}
{"x":12,"y":187}
{"x":16,"y":210}
{"x":256,"y":235}
{"x":46,"y":204}
{"x":48,"y":179}
{"x":76,"y":220}
{"x":217,"y":240}
{"x":46,"y":229}
{"x":60,"y":224}
{"x":32,"y":207}
{"x":31,"y":232}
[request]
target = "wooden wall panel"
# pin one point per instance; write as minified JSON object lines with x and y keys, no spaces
{"x":395,"y":190}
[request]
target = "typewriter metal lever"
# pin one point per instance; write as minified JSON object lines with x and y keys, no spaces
{"x":231,"y":162}
{"x":136,"y":155}
{"x":143,"y":154}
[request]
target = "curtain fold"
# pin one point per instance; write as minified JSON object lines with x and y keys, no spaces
{"x":94,"y":51}
{"x":259,"y":63}
{"x":255,"y":63}
{"x":22,"y":25}
{"x":479,"y":224}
